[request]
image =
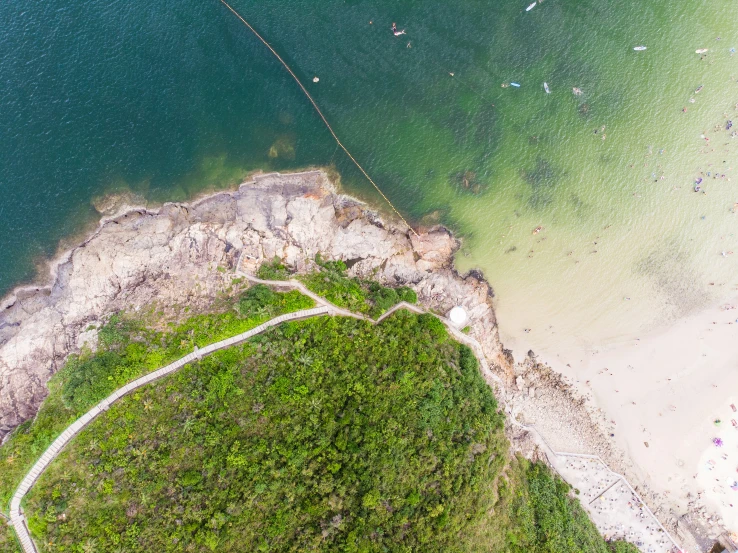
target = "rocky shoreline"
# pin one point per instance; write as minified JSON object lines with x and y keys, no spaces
{"x":186,"y":254}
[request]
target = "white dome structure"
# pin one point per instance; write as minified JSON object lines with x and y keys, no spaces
{"x":458,"y":316}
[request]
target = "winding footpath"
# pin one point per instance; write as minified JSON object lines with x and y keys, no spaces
{"x":637,"y":525}
{"x":17,"y":519}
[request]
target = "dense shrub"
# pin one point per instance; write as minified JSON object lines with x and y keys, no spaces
{"x":126,"y":351}
{"x":536,"y":513}
{"x":8,"y":542}
{"x":94,"y":376}
{"x":360,"y":296}
{"x":273,"y":270}
{"x":324,"y":435}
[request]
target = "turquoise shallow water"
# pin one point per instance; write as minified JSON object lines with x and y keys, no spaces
{"x":169,"y":98}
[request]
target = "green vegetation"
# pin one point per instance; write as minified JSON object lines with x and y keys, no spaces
{"x":8,"y":543}
{"x":359,"y":296}
{"x":535,"y":513}
{"x":324,"y":435}
{"x":296,"y":441}
{"x":128,"y":350}
{"x":273,"y":270}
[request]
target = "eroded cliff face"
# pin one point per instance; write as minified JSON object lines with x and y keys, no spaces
{"x":187,"y":253}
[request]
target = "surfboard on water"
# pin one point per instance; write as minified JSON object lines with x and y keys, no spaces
{"x":639,"y":48}
{"x":545,"y":87}
{"x":533,"y":5}
{"x":701,"y":51}
{"x":516,"y":85}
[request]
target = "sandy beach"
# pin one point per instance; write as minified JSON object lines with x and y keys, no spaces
{"x":661,"y":393}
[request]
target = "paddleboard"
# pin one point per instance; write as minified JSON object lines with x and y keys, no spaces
{"x":533,"y":5}
{"x":516,"y":85}
{"x":545,"y":87}
{"x":639,"y":48}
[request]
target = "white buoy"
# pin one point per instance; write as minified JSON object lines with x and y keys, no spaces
{"x":458,"y":316}
{"x":315,"y":79}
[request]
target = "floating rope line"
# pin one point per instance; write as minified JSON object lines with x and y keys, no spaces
{"x":320,"y":113}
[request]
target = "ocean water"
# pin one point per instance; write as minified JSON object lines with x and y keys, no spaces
{"x":165,"y":100}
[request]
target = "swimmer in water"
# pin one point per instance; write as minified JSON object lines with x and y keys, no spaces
{"x":395,"y":31}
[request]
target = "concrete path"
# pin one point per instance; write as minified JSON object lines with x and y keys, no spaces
{"x":613,"y":505}
{"x":621,"y":514}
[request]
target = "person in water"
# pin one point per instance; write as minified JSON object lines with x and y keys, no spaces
{"x":395,"y":31}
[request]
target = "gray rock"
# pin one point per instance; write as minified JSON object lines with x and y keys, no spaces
{"x":171,"y":256}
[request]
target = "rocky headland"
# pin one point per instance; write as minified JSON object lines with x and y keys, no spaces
{"x":187,"y":254}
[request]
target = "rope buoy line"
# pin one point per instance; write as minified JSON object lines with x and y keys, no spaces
{"x":320,"y":113}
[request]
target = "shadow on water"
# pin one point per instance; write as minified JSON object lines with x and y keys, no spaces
{"x":579,"y":207}
{"x":467,"y":181}
{"x":542,"y":179}
{"x":485,"y":132}
{"x":671,"y":272}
